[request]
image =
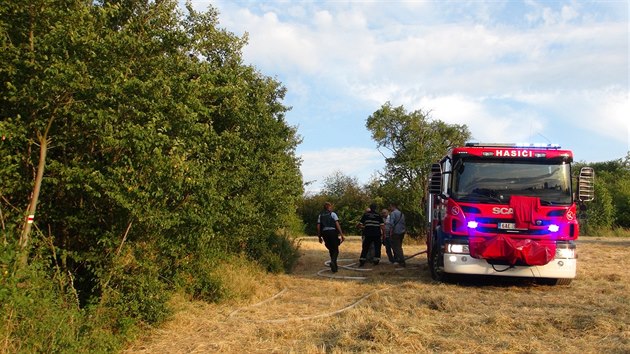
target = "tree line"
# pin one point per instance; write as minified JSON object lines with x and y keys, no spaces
{"x":137,"y":152}
{"x":410,"y":142}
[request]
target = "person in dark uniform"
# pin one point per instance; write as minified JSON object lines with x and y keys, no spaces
{"x":329,"y":232}
{"x":373,"y":227}
{"x":370,"y":254}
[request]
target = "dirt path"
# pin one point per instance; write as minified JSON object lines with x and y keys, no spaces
{"x":395,"y":311}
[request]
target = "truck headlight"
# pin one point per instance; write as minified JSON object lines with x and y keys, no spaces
{"x":565,"y":252}
{"x":457,"y":248}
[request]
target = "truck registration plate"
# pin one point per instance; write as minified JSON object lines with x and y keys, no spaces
{"x":507,"y":225}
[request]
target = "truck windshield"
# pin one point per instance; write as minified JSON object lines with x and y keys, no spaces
{"x":496,"y":181}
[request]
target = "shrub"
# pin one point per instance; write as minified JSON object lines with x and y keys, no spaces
{"x":38,"y":313}
{"x":275,"y":252}
{"x":138,"y":293}
{"x":600,"y":213}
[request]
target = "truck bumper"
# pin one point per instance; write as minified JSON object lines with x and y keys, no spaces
{"x":465,"y":264}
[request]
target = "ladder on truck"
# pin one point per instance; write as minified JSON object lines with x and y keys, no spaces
{"x":586,"y":186}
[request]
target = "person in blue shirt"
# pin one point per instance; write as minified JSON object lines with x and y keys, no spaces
{"x":329,"y":232}
{"x":397,"y":232}
{"x":387,"y":239}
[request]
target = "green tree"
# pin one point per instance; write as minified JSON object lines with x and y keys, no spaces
{"x":411,"y":142}
{"x":309,"y":209}
{"x":158,"y":152}
{"x":621,"y":200}
{"x":616,"y":176}
{"x":349,"y":198}
{"x":600,"y":213}
{"x":613,"y":181}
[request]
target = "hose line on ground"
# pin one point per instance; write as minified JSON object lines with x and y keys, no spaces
{"x":322,"y":273}
{"x":305,"y":318}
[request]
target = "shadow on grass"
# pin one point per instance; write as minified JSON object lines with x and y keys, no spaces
{"x":489,"y":281}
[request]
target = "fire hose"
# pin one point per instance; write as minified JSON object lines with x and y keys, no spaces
{"x":326,"y":272}
{"x":350,"y":266}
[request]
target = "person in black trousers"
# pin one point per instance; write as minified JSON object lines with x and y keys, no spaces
{"x":373,"y":227}
{"x":329,"y":232}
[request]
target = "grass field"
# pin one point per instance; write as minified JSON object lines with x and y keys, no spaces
{"x":398,"y":311}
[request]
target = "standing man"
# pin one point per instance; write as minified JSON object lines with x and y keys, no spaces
{"x":329,"y":232}
{"x":387,"y":240}
{"x":397,"y":233}
{"x":370,"y":254}
{"x":373,"y":227}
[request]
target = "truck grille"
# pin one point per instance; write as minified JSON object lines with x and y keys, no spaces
{"x":496,"y":230}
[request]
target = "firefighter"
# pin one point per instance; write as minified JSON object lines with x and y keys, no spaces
{"x":370,"y":255}
{"x":397,"y":233}
{"x":329,"y":232}
{"x":373,"y":227}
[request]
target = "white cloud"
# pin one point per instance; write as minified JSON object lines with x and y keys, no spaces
{"x":612,"y":116}
{"x":323,"y":19}
{"x":605,"y":112}
{"x":507,"y":78}
{"x":484,"y":125}
{"x":549,"y":16}
{"x":351,"y":161}
{"x":277,"y":45}
{"x":467,"y":57}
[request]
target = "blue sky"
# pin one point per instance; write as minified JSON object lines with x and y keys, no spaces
{"x":513,"y":71}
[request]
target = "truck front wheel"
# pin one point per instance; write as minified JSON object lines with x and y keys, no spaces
{"x":554,"y":281}
{"x":436,"y":261}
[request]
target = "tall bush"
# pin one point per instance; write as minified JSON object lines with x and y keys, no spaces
{"x":600,"y":212}
{"x":163,"y":151}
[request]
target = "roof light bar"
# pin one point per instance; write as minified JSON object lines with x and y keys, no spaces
{"x":515,"y":145}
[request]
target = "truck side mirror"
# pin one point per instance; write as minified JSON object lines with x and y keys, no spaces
{"x":435,"y":179}
{"x":586,"y":184}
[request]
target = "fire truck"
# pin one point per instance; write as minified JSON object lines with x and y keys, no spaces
{"x":506,"y":210}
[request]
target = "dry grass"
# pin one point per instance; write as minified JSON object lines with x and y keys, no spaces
{"x":411,"y":313}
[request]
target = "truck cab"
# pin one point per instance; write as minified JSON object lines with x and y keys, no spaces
{"x":505,"y":210}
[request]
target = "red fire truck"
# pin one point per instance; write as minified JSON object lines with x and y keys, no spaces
{"x":505,"y":210}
